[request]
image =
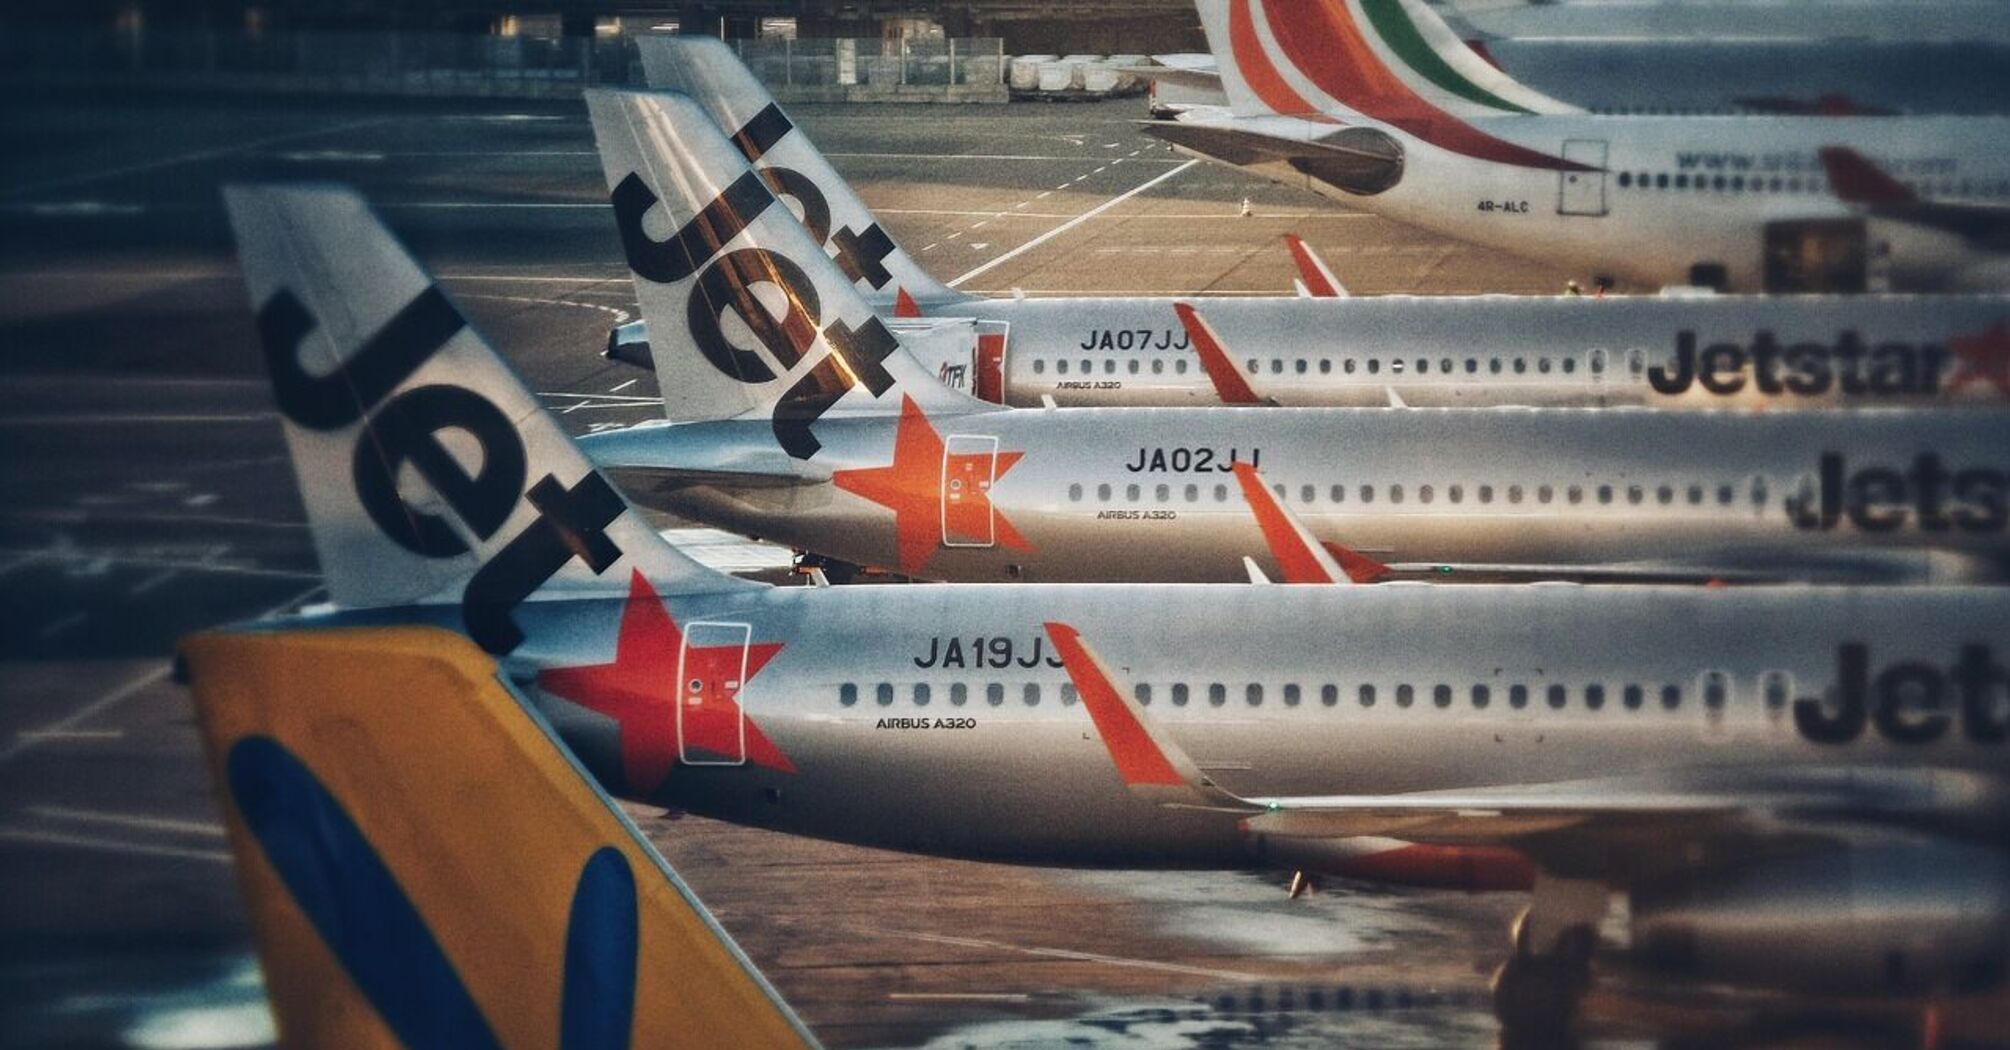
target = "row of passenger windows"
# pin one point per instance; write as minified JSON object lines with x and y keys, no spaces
{"x":1798,"y":184}
{"x":1695,"y":494}
{"x":1714,"y":687}
{"x":1541,"y":364}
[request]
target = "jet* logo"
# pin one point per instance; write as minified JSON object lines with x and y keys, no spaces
{"x":1908,"y":702}
{"x":404,"y":431}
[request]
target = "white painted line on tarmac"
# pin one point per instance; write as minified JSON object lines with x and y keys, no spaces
{"x":23,"y":742}
{"x":59,"y":626}
{"x":1071,"y":954}
{"x":959,"y":997}
{"x":966,"y":156}
{"x":139,"y":821}
{"x":1074,"y":222}
{"x":60,"y":419}
{"x":77,"y":734}
{"x":190,"y":157}
{"x":619,"y":387}
{"x":57,"y":838}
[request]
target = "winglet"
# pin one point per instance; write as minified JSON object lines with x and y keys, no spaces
{"x":1231,"y":384}
{"x":1856,"y":180}
{"x":438,"y":871}
{"x":1298,"y":555}
{"x":1359,"y":567}
{"x":1151,"y":765}
{"x":1318,"y":278}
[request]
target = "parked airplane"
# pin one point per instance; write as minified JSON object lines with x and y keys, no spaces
{"x":1378,"y":103}
{"x":777,"y":440}
{"x":1737,"y":761}
{"x":1529,"y":351}
{"x":390,"y":911}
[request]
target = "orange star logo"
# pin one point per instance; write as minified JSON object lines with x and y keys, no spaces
{"x":937,"y":497}
{"x":641,"y":690}
{"x":1982,"y":358}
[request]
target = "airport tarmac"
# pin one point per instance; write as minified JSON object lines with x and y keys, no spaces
{"x":149,"y":496}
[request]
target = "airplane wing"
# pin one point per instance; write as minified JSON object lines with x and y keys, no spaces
{"x":1604,"y":828}
{"x":1856,"y":180}
{"x":1201,"y":79}
{"x":1359,"y":160}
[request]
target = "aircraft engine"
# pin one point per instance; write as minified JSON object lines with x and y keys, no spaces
{"x":1897,"y":918}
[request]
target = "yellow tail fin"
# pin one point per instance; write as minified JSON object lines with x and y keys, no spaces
{"x":425,"y":867}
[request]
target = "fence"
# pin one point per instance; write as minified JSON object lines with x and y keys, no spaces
{"x":869,"y":69}
{"x":457,"y":64}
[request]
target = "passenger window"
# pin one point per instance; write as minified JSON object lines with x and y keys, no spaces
{"x":1179,"y":366}
{"x":994,"y":694}
{"x":1695,"y":495}
{"x":1110,"y":366}
{"x":1338,"y":493}
{"x":1308,"y":493}
{"x":1514,"y":493}
{"x":848,"y":694}
{"x":1725,"y":495}
{"x":1367,"y":493}
{"x":1329,"y":695}
{"x":1159,"y":366}
{"x":1395,"y":366}
{"x":1594,"y":696}
{"x":1569,"y":365}
{"x":1423,"y":366}
{"x":1556,"y":696}
{"x":1481,"y":696}
{"x":1135,"y":365}
{"x":1633,"y":697}
{"x":1300,"y":366}
{"x":1075,"y":493}
{"x":1472,"y":365}
{"x":1605,"y":494}
{"x":1163,"y":492}
{"x":1031,"y":694}
{"x":1486,"y":493}
{"x":1179,"y":694}
{"x":1494,"y":366}
{"x":1276,"y":365}
{"x":1221,"y":493}
{"x":958,"y":694}
{"x":1067,"y":693}
{"x":1520,"y":365}
{"x":1574,"y":494}
{"x":1664,"y":495}
{"x":1325,"y":366}
{"x":1517,"y":696}
{"x":1424,"y":494}
{"x":1457,"y":493}
{"x":1347,"y":366}
{"x":1291,"y":695}
{"x":1444,"y":364}
{"x":1395,"y":493}
{"x":1088,"y":366}
{"x":884,"y":694}
{"x":1671,"y":697}
{"x":1039,"y":366}
{"x":1716,"y":690}
{"x":1441,"y":695}
{"x":1542,"y":365}
{"x":1374,"y":365}
{"x":1061,"y":366}
{"x":1253,"y":694}
{"x":1193,"y":493}
{"x":921,"y":694}
{"x":1132,"y":492}
{"x":1634,"y":494}
{"x":1778,"y":689}
{"x":1405,"y":696}
{"x":1143,"y":692}
{"x":1103,"y":493}
{"x":1217,"y":694}
{"x":1367,"y":694}
{"x":1543,"y":494}
{"x":1758,"y":492}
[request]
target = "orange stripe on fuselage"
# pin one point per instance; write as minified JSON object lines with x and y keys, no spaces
{"x":1138,"y":759}
{"x":1322,"y":39}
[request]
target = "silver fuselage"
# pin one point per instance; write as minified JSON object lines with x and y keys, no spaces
{"x":1148,"y":494}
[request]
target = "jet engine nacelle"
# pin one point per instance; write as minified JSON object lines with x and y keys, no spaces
{"x":629,"y":344}
{"x":1885,"y":919}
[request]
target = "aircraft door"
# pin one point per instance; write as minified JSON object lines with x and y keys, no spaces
{"x":991,"y":340}
{"x":969,"y":466}
{"x":1817,"y":255}
{"x":1582,"y":192}
{"x":711,"y":679}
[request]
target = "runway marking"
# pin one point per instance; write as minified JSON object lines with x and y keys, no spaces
{"x":73,"y":517}
{"x":969,"y":156}
{"x":24,"y":742}
{"x":128,"y":820}
{"x":636,"y":399}
{"x":77,"y":734}
{"x":59,"y":626}
{"x":959,"y":997}
{"x":57,"y":838}
{"x":1074,"y":222}
{"x":191,"y":157}
{"x":151,"y":583}
{"x":620,"y":316}
{"x":619,"y":387}
{"x":1075,"y":956}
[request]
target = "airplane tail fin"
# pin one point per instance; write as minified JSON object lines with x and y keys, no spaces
{"x":708,"y":71}
{"x":429,"y":473}
{"x":424,"y":866}
{"x":1393,"y":61}
{"x":1856,"y":180}
{"x":1301,"y":556}
{"x":1316,"y":280}
{"x":747,"y":314}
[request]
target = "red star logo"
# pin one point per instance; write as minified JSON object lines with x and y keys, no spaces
{"x":1983,"y":358}
{"x":641,"y":691}
{"x":928,"y":491}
